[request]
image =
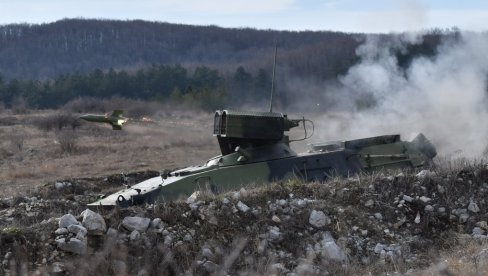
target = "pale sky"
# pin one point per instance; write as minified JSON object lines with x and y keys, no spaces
{"x":336,"y":15}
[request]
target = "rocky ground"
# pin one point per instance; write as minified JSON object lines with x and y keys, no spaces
{"x":381,"y":223}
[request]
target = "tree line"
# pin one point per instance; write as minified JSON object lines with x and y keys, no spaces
{"x":48,"y":65}
{"x":204,"y":87}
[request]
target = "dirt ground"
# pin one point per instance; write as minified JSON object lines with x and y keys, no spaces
{"x":31,"y":156}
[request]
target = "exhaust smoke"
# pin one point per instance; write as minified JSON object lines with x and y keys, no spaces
{"x":443,"y":96}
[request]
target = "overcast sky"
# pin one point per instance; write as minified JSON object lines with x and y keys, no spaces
{"x":337,"y":15}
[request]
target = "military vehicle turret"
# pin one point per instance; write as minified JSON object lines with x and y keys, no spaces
{"x":255,"y":149}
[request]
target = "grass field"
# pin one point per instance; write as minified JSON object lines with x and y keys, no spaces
{"x":33,"y":150}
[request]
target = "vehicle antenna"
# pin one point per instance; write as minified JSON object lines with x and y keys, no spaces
{"x":273,"y":79}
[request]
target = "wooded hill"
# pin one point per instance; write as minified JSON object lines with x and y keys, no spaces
{"x":78,"y":45}
{"x":50,"y":64}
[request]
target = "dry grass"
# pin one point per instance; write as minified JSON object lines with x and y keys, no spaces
{"x":33,"y":155}
{"x":469,"y":258}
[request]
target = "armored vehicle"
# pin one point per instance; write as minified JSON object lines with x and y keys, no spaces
{"x":255,"y":149}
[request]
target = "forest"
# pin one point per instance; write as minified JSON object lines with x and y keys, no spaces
{"x":48,"y":65}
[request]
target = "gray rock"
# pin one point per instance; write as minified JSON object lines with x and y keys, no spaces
{"x":318,"y":219}
{"x":424,"y":199}
{"x":478,"y":231}
{"x":424,"y":174}
{"x":276,"y":219}
{"x":330,"y":249}
{"x":473,"y":207}
{"x":378,"y":248}
{"x":67,"y":220}
{"x":112,"y":232}
{"x":93,"y":222}
{"x":482,"y":224}
{"x":369,"y":203}
{"x":136,"y":223}
{"x":59,"y":185}
{"x":407,"y":198}
{"x":463,"y":218}
{"x":429,"y":208}
{"x":57,"y":268}
{"x":207,"y":253}
{"x":193,"y":197}
{"x":157,"y":224}
{"x":300,"y":203}
{"x":378,"y":216}
{"x":278,"y":268}
{"x":242,"y":207}
{"x":441,"y":189}
{"x":74,"y":245}
{"x":417,"y":218}
{"x":61,"y":231}
{"x":274,"y":234}
{"x":134,"y":235}
{"x":210,"y":266}
{"x":75,"y":229}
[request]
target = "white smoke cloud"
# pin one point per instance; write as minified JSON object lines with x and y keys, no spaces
{"x":444,"y":97}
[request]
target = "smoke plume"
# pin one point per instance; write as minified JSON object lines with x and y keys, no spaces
{"x":443,"y":96}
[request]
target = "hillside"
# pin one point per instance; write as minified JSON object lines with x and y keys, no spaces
{"x":78,"y":45}
{"x":430,"y":222}
{"x":81,"y":45}
{"x":392,"y":222}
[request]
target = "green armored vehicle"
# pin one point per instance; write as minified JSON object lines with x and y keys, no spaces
{"x":255,"y":149}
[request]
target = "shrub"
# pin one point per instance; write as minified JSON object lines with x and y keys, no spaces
{"x":67,"y":141}
{"x":57,"y":122}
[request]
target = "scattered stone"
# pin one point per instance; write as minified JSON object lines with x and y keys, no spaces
{"x":74,"y":245}
{"x":157,"y":223}
{"x":242,"y":207}
{"x":407,"y":198}
{"x":210,"y":266}
{"x":369,"y":203}
{"x":482,"y":224}
{"x":463,"y":218}
{"x":441,"y":189}
{"x":330,"y":249}
{"x":136,"y":223}
{"x":425,"y":174}
{"x":378,"y":248}
{"x":59,"y":185}
{"x":276,"y":219}
{"x":207,"y":253}
{"x":424,"y":199}
{"x":274,"y":234}
{"x":93,"y":222}
{"x":417,"y":218}
{"x":134,"y":235}
{"x":61,"y":231}
{"x":318,"y":219}
{"x":75,"y":229}
{"x":429,"y":208}
{"x":473,"y":207}
{"x":58,"y":268}
{"x":67,"y":220}
{"x":193,"y":197}
{"x":477,"y":231}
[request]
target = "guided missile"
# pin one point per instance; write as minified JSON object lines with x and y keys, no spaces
{"x":116,"y":120}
